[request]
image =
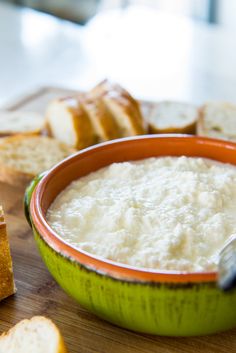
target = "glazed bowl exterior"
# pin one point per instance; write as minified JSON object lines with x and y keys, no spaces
{"x":156,"y":302}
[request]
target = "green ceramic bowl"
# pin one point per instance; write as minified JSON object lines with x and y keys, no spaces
{"x":156,"y":302}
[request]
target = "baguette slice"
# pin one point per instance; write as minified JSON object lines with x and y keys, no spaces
{"x":218,"y":120}
{"x":7,"y":286}
{"x":12,"y":123}
{"x":173,"y":117}
{"x":37,"y":335}
{"x":102,"y":120}
{"x":69,"y":123}
{"x":123,"y":107}
{"x":23,"y":157}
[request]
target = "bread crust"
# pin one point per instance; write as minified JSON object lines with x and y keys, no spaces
{"x":82,"y":127}
{"x":132,"y":112}
{"x":112,"y":93}
{"x":172,"y":128}
{"x":84,"y":130}
{"x":188,"y":129}
{"x":103,"y":122}
{"x":200,"y":122}
{"x":26,"y":133}
{"x":7,"y":286}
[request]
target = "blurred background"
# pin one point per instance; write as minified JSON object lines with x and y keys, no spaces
{"x":214,"y":11}
{"x":157,"y":49}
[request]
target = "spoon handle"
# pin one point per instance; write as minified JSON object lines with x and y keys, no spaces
{"x":227,"y":265}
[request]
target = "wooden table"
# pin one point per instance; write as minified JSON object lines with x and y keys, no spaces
{"x":38,"y":293}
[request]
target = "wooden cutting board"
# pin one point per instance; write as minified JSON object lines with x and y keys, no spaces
{"x":38,"y":294}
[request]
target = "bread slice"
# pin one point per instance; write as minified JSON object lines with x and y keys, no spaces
{"x":173,"y":117}
{"x":218,"y":120}
{"x":122,"y":106}
{"x":7,"y":286}
{"x":19,"y":122}
{"x":69,"y":122}
{"x":102,"y":120}
{"x":37,"y":335}
{"x":23,"y":157}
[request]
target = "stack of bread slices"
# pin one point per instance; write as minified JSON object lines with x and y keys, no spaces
{"x":108,"y":112}
{"x":105,"y":113}
{"x":24,"y":150}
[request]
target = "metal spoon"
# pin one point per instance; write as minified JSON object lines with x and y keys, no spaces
{"x":227,"y":265}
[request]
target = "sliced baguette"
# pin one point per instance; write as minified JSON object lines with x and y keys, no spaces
{"x":69,"y":122}
{"x":23,"y":157}
{"x":7,"y":286}
{"x":122,"y":106}
{"x":19,"y":122}
{"x":37,"y":335}
{"x":218,"y":120}
{"x":102,"y":120}
{"x":173,"y":117}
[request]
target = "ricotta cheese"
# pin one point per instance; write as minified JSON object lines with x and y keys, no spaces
{"x":167,"y":213}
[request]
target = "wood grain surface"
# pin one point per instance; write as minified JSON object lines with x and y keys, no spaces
{"x":38,"y":294}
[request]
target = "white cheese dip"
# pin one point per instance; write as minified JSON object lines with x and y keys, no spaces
{"x":168,"y":213}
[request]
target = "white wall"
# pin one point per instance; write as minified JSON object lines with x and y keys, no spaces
{"x":191,"y":8}
{"x":227,"y":13}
